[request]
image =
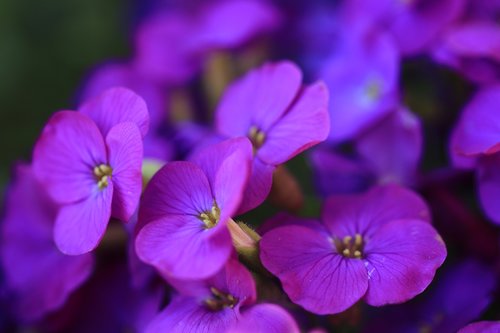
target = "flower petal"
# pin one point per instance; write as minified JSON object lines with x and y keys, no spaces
{"x":265,"y":318}
{"x":258,"y":187}
{"x":258,"y":99}
{"x":125,"y":158}
{"x":312,"y":274}
{"x":117,"y":105}
{"x":307,"y":123}
{"x":401,"y":258}
{"x":363,"y":214}
{"x":65,"y":155}
{"x":180,"y":246}
{"x":178,"y":188}
{"x":488,"y":177}
{"x":80,"y":226}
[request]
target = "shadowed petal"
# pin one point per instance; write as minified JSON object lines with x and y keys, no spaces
{"x":401,"y":258}
{"x":178,"y":188}
{"x":80,"y":226}
{"x":180,"y":246}
{"x":258,"y":186}
{"x":363,"y":214}
{"x":258,"y":99}
{"x":117,"y":105}
{"x":482,"y":327}
{"x":488,"y":176}
{"x":65,"y":155}
{"x":265,"y":318}
{"x":125,"y":158}
{"x":312,"y":274}
{"x":306,"y":124}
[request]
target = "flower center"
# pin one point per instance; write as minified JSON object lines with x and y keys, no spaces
{"x":373,"y":90}
{"x":257,"y":137}
{"x":102,"y":174}
{"x":350,"y":247}
{"x":220,"y":300}
{"x":210,"y":217}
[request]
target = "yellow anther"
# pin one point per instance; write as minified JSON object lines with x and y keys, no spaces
{"x":358,"y":240}
{"x":210,"y":218}
{"x":347,"y":240}
{"x":257,"y":137}
{"x":103,"y":173}
{"x":350,"y":247}
{"x":220,"y":300}
{"x":346,"y":252}
{"x":357,"y":254}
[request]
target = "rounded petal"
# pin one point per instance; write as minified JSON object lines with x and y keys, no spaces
{"x":117,"y":105}
{"x":79,"y":227}
{"x":488,"y":178}
{"x":306,"y":124}
{"x":125,"y":158}
{"x":66,"y":153}
{"x":178,"y":188}
{"x":258,"y":99}
{"x":311,"y":272}
{"x":258,"y":187}
{"x":478,"y":130}
{"x":363,"y":214}
{"x":265,"y":318}
{"x":227,"y":166}
{"x":401,"y":258}
{"x":180,"y":246}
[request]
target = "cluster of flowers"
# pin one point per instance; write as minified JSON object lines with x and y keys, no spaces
{"x":163,"y":203}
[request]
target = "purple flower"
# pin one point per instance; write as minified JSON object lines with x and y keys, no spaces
{"x":482,"y":327}
{"x":397,"y":134}
{"x":475,"y":144}
{"x":171,"y":46}
{"x":281,"y":118}
{"x":185,"y":209}
{"x":363,"y":78}
{"x":39,"y":278}
{"x":90,"y":163}
{"x":378,"y":246}
{"x":222,"y":303}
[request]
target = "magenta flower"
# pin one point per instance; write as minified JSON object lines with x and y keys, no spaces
{"x":378,"y":246}
{"x":481,"y":327}
{"x":223,"y":303}
{"x":172,"y":46}
{"x":281,"y":118}
{"x":39,"y":278}
{"x":90,"y":162}
{"x":185,"y":208}
{"x":475,"y":143}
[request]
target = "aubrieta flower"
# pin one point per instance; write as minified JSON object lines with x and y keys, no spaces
{"x":90,"y":163}
{"x":185,"y":209}
{"x":475,"y":144}
{"x":171,"y":46}
{"x":482,"y":327}
{"x":378,"y":246}
{"x":39,"y":278}
{"x":224,"y":303}
{"x":281,"y":118}
{"x":397,"y":134}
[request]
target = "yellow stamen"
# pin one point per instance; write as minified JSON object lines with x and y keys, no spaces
{"x":210,"y":218}
{"x":103,"y":173}
{"x":257,"y":137}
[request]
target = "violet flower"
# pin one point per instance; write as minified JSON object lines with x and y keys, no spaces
{"x":172,"y":46}
{"x":90,"y":162}
{"x":39,"y":278}
{"x":281,"y":118}
{"x":186,"y":207}
{"x":224,"y":303}
{"x":378,"y":246}
{"x":475,"y":144}
{"x":481,"y":327}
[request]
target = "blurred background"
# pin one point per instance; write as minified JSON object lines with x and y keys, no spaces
{"x":46,"y":47}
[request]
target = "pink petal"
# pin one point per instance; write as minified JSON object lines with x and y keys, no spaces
{"x":179,"y":188}
{"x":363,"y":214}
{"x":117,"y":105}
{"x":227,"y":166}
{"x":311,"y":272}
{"x":180,"y":246}
{"x":305,"y":125}
{"x":258,"y":187}
{"x":265,"y":318}
{"x":488,"y":177}
{"x":401,"y":258}
{"x":80,"y":226}
{"x":65,"y":155}
{"x":258,"y":99}
{"x":125,"y":158}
